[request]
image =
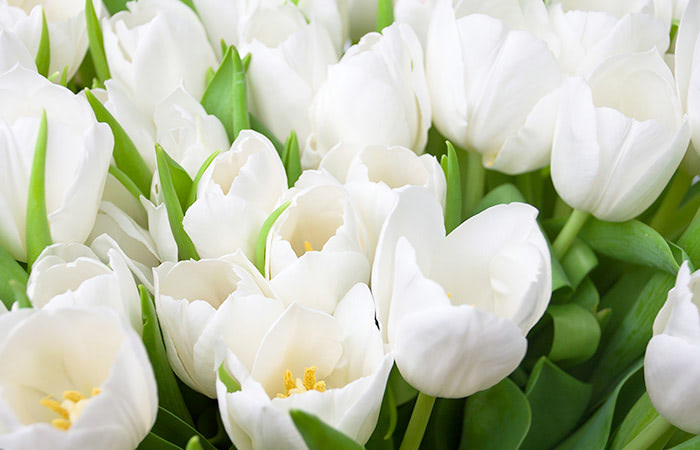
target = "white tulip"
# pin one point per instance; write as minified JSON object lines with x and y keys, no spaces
{"x":77,"y":157}
{"x":376,"y":94}
{"x":73,"y":378}
{"x":672,"y":360}
{"x":687,"y":68}
{"x":72,"y":275}
{"x":456,"y":309}
{"x":237,"y":192}
{"x":619,"y":138}
{"x":330,"y":366}
{"x":201,"y":302}
{"x":154,"y":47}
{"x":13,"y":51}
{"x":373,"y":175}
{"x":283,"y":80}
{"x":493,"y":89}
{"x":68,"y":39}
{"x":316,"y":250}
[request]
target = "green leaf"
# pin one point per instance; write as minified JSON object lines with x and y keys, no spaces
{"x":260,"y":248}
{"x":578,"y":262}
{"x":64,"y":77}
{"x":497,"y":418}
{"x":19,"y":291}
{"x":37,"y":226}
{"x":641,"y":415}
{"x":630,"y":241}
{"x":192,"y":196}
{"x":453,"y":198}
{"x":381,"y":438}
{"x":258,"y":126}
{"x":402,"y":391}
{"x":154,"y":442}
{"x":125,"y":181}
{"x":557,"y":401}
{"x":114,"y":6}
{"x":576,"y":334}
{"x":385,"y":14}
{"x":503,"y":194}
{"x":190,"y":5}
{"x":43,"y":54}
{"x":231,"y":384}
{"x":241,"y":120}
{"x":185,"y":247}
{"x":172,"y":428}
{"x":320,"y":436}
{"x":126,"y":156}
{"x":587,"y":296}
{"x":169,"y":395}
{"x":194,"y":444}
{"x":96,"y":44}
{"x":10,"y":271}
{"x":291,"y":159}
{"x":690,"y":240}
{"x":691,"y":444}
{"x":181,"y":180}
{"x":596,"y":431}
{"x":629,"y":339}
{"x":445,"y":419}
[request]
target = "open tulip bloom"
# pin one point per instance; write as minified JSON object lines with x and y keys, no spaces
{"x":347,"y":224}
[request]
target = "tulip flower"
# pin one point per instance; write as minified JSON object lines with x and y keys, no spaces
{"x":283,"y":80}
{"x":330,"y":366}
{"x":375,"y":95}
{"x":201,"y":302}
{"x":672,"y":360}
{"x":374,"y":175}
{"x":154,"y":47}
{"x":316,"y":250}
{"x":687,"y":68}
{"x":78,"y":153}
{"x":493,"y":89}
{"x":68,"y":38}
{"x":13,"y":51}
{"x":239,"y":189}
{"x":72,"y":275}
{"x":459,"y":304}
{"x":73,"y":378}
{"x":619,"y":137}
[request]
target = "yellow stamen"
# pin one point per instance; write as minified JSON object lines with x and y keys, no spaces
{"x":61,"y":424}
{"x":54,"y":406}
{"x":320,"y":386}
{"x":308,"y":247}
{"x":448,"y":295}
{"x":288,"y":381}
{"x":309,"y":377}
{"x":297,"y":386}
{"x":73,"y":396}
{"x":95,"y":391}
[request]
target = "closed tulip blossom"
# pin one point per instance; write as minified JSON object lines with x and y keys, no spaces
{"x":78,"y":153}
{"x":460,"y":304}
{"x":619,"y":137}
{"x":381,"y":86}
{"x":493,"y":89}
{"x":13,"y":51}
{"x":672,"y":359}
{"x":687,"y":68}
{"x":332,"y":366}
{"x":78,"y":378}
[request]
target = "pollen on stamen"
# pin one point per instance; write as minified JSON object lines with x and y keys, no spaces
{"x":308,"y":247}
{"x":54,"y":406}
{"x":73,"y":396}
{"x":61,"y":424}
{"x":309,"y":377}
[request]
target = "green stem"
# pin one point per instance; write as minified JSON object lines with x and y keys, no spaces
{"x":385,"y":14}
{"x":567,"y":235}
{"x":473,"y":182}
{"x":663,"y":218}
{"x":649,"y":435}
{"x":419,"y":421}
{"x":561,"y":209}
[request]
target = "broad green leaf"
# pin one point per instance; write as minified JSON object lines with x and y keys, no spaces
{"x":453,"y":198}
{"x":181,"y":181}
{"x":231,"y":384}
{"x":195,"y":183}
{"x":557,"y":402}
{"x":154,"y":442}
{"x":595,"y":433}
{"x":690,"y":239}
{"x":690,"y":444}
{"x":629,"y":339}
{"x":578,"y":262}
{"x":37,"y":227}
{"x":114,"y":6}
{"x":43,"y":53}
{"x":638,"y":418}
{"x":576,"y":334}
{"x":630,"y":241}
{"x":10,"y":271}
{"x":445,"y":419}
{"x":381,"y":438}
{"x":261,"y":245}
{"x":320,"y":436}
{"x":258,"y":126}
{"x":169,"y":395}
{"x":96,"y":44}
{"x":172,"y":428}
{"x":185,"y":247}
{"x":385,"y":14}
{"x":19,"y":292}
{"x":586,"y":296}
{"x":497,"y":418}
{"x":622,"y":296}
{"x":503,"y":194}
{"x":291,"y":159}
{"x":126,"y":156}
{"x":403,"y":392}
{"x":241,"y":120}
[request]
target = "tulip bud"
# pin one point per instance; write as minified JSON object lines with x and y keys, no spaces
{"x":77,"y":157}
{"x":375,"y":95}
{"x":672,"y":360}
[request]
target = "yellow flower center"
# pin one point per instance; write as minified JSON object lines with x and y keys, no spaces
{"x":297,"y":386}
{"x":69,"y":409}
{"x":308,"y":247}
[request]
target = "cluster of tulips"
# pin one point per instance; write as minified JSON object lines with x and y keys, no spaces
{"x":291,"y":224}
